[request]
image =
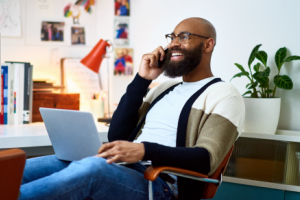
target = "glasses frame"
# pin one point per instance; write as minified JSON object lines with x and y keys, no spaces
{"x":189,"y":34}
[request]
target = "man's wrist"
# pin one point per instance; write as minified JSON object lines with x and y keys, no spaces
{"x":144,"y":76}
{"x":141,"y":150}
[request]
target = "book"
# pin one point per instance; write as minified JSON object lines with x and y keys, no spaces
{"x":30,"y":93}
{"x":20,"y":101}
{"x":5,"y":86}
{"x":10,"y":94}
{"x":18,"y":93}
{"x":1,"y":97}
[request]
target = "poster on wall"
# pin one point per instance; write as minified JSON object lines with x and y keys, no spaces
{"x":122,"y":7}
{"x":76,"y":9}
{"x":10,"y":18}
{"x":121,"y":32}
{"x":52,"y":31}
{"x":123,"y":64}
{"x":78,"y":35}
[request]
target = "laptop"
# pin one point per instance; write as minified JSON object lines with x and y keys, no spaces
{"x":73,"y":134}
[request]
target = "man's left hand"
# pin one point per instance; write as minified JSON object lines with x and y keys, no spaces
{"x":122,"y":151}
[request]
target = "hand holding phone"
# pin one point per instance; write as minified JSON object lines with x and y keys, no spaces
{"x":150,"y":64}
{"x":161,"y":63}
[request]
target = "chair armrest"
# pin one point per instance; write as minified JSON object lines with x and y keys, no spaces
{"x":11,"y":154}
{"x":12,"y":162}
{"x":152,"y":172}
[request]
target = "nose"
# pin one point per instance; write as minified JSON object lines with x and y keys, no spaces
{"x":175,"y":43}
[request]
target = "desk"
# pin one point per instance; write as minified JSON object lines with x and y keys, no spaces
{"x":33,"y":138}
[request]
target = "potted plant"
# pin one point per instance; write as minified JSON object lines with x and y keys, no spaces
{"x":262,"y":105}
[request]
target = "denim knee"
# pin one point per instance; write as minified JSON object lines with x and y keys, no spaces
{"x":93,"y":167}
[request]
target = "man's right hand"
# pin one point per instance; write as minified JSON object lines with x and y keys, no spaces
{"x":148,"y":67}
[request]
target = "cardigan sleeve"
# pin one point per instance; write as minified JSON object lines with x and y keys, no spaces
{"x":126,"y":116}
{"x":221,"y":129}
{"x":195,"y":159}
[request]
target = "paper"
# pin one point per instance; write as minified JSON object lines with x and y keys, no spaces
{"x":44,"y":8}
{"x":54,"y":57}
{"x":10,"y":18}
{"x":80,"y":79}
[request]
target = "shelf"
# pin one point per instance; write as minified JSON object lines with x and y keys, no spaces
{"x":262,"y":184}
{"x":281,"y":135}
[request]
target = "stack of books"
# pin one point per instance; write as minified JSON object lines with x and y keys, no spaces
{"x":44,"y":86}
{"x":16,"y":93}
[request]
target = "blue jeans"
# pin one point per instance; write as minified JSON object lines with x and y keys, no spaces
{"x":90,"y":178}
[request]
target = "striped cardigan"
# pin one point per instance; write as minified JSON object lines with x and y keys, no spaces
{"x":214,"y":121}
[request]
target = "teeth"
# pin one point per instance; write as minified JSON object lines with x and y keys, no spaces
{"x":176,"y":54}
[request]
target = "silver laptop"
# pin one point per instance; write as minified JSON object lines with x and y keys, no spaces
{"x":73,"y":134}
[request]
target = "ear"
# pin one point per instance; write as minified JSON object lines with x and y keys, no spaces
{"x":209,"y":45}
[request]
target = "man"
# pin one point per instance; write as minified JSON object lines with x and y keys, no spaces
{"x":191,"y":125}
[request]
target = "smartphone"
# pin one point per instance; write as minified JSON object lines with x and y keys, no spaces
{"x":161,"y":63}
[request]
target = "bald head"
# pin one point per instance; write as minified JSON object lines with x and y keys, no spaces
{"x":200,"y":26}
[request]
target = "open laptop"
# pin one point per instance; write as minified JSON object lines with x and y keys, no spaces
{"x":73,"y":134}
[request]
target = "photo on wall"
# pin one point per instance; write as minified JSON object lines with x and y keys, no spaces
{"x":78,"y":35}
{"x":122,"y":7}
{"x":121,"y":32}
{"x":52,"y":31}
{"x":123,"y":64}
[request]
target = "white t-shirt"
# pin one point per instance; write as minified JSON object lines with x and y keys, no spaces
{"x":162,"y":120}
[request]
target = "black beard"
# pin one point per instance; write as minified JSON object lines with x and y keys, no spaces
{"x":190,"y":61}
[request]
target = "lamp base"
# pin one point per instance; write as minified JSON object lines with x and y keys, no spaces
{"x":104,"y":119}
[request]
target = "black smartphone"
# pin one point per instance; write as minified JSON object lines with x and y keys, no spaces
{"x":161,"y":63}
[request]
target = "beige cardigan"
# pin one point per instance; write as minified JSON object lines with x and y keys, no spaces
{"x":215,"y":121}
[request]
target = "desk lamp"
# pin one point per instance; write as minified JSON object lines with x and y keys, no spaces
{"x":93,"y":62}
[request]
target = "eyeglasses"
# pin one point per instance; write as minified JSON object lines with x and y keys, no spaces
{"x":183,"y":37}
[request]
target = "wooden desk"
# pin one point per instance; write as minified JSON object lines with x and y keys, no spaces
{"x":33,"y":138}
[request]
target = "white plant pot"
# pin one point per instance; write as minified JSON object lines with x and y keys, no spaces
{"x":262,"y":115}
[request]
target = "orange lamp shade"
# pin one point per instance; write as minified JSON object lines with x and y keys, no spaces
{"x":94,"y":58}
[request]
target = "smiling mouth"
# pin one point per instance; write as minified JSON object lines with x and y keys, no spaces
{"x":176,"y":54}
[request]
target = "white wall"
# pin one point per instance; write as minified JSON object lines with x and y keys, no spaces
{"x":240,"y":26}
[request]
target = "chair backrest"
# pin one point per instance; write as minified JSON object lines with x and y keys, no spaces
{"x":210,"y":189}
{"x":12,"y":162}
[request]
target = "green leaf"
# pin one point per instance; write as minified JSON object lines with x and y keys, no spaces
{"x":240,"y":75}
{"x":248,"y":92}
{"x":252,"y":55}
{"x":254,"y":85}
{"x":248,"y":85}
{"x":262,"y":77}
{"x":279,"y":57}
{"x":262,"y":56}
{"x":240,"y":67}
{"x":264,"y":83}
{"x":283,"y":81}
{"x":269,"y":91}
{"x":291,"y":58}
{"x":256,"y":67}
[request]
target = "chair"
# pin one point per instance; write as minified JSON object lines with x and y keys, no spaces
{"x":12,"y":162}
{"x":212,"y":182}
